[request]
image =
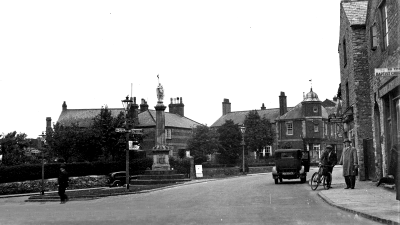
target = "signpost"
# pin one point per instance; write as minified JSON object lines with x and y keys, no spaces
{"x":336,"y":120}
{"x":387,"y":71}
{"x":120,"y":130}
{"x":134,"y":145}
{"x":136,"y":131}
{"x":133,"y":131}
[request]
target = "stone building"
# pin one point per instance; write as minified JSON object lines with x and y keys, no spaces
{"x":383,"y":51}
{"x":178,"y":128}
{"x":355,"y":87}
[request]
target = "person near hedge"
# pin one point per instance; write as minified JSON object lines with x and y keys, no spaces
{"x":62,"y":184}
{"x":350,"y":164}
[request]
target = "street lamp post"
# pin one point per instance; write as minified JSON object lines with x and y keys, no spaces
{"x":126,"y":104}
{"x":243,"y":130}
{"x":42,"y":139}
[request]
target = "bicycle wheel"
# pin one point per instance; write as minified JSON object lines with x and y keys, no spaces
{"x":314,"y":181}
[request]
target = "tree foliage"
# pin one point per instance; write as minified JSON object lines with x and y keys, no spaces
{"x":99,"y":141}
{"x":110,"y":142}
{"x":259,"y":132}
{"x":230,"y":138}
{"x":12,"y":148}
{"x":203,"y":141}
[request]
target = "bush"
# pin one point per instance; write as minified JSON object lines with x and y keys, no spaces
{"x":34,"y":171}
{"x":182,"y":166}
{"x":210,"y":165}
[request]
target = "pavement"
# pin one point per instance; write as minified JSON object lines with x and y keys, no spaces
{"x":367,"y":200}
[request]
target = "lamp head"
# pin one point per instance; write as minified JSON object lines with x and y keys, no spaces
{"x":126,"y":103}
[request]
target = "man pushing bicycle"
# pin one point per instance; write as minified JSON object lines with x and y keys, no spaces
{"x":328,"y":160}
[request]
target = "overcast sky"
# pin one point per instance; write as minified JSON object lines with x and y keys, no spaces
{"x":88,"y":53}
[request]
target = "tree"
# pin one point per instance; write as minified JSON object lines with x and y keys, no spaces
{"x":259,"y":132}
{"x":230,"y":138}
{"x":12,"y":148}
{"x":62,"y":141}
{"x":111,"y":143}
{"x":203,"y":141}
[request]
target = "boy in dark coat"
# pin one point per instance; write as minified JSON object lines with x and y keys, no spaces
{"x":62,"y":184}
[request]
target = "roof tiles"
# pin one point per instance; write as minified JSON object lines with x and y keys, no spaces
{"x":84,"y":117}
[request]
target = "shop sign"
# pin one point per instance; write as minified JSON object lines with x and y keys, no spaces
{"x":387,"y":71}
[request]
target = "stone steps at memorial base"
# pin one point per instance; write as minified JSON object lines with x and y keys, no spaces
{"x":160,"y":172}
{"x":158,"y":181}
{"x":161,"y":177}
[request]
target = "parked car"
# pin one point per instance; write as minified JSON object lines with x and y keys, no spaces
{"x":291,"y":164}
{"x":116,"y":179}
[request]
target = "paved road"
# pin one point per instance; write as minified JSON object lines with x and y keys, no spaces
{"x":253,"y":199}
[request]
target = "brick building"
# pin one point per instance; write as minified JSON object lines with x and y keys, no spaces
{"x":307,"y":126}
{"x":355,"y":87}
{"x":238,"y":117}
{"x":294,"y":126}
{"x":178,"y":128}
{"x":383,"y":48}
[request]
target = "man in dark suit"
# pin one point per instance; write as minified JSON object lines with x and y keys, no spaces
{"x":62,"y":184}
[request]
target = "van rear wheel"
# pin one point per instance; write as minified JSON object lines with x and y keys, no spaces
{"x":276,"y":181}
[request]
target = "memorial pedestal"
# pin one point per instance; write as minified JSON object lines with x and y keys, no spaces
{"x":161,"y":158}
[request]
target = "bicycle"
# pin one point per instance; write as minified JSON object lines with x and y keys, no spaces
{"x":324,"y":178}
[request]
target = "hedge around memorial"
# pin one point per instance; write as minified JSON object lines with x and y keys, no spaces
{"x":34,"y":171}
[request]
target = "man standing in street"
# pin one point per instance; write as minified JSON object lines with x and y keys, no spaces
{"x":349,"y":161}
{"x":62,"y":184}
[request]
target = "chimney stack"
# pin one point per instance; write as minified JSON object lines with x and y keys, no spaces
{"x":134,"y":112}
{"x":176,"y":106}
{"x":64,"y":106}
{"x":48,"y":124}
{"x":263,"y":107}
{"x":143,"y":105}
{"x":226,"y":106}
{"x":282,"y":104}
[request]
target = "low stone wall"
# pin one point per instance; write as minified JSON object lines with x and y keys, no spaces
{"x":51,"y":185}
{"x":261,"y":169}
{"x":232,"y":171}
{"x":220,"y":172}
